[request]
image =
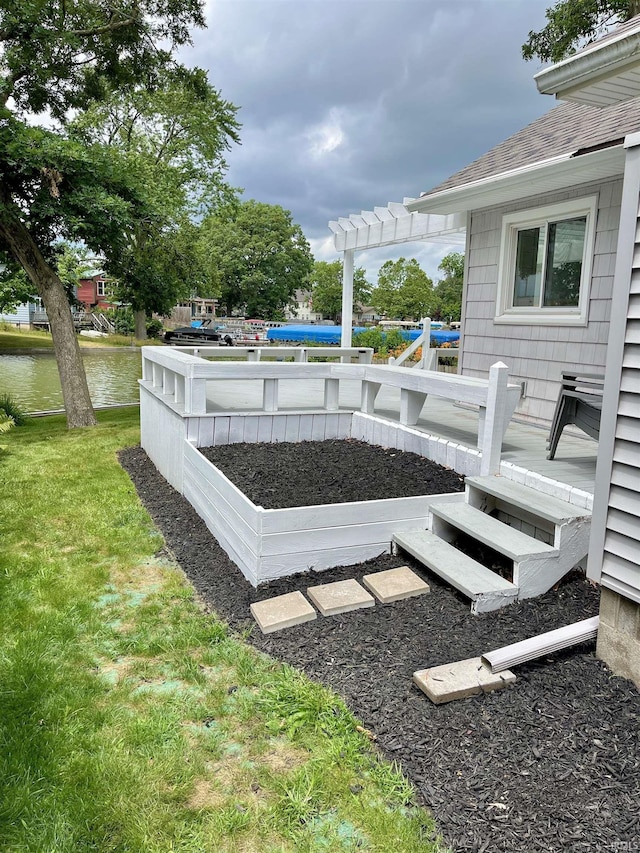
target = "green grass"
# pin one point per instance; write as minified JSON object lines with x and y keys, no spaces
{"x":131,"y":720}
{"x":11,"y":338}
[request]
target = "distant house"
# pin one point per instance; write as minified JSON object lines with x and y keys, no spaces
{"x":23,"y":315}
{"x":93,"y":291}
{"x":302,"y":311}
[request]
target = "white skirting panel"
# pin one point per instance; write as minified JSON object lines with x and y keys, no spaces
{"x":212,"y":430}
{"x":162,"y":434}
{"x":268,"y":544}
{"x":373,"y":430}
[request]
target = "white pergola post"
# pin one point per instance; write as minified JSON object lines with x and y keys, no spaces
{"x":347,"y":297}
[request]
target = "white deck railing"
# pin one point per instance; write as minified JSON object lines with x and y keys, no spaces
{"x":180,"y":378}
{"x":363,"y":355}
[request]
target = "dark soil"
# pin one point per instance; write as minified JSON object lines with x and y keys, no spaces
{"x":550,"y":764}
{"x":308,"y":473}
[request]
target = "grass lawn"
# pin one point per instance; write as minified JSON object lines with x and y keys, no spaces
{"x":130,"y":720}
{"x":30,"y":339}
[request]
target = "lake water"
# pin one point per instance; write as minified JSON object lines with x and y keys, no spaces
{"x":32,"y":379}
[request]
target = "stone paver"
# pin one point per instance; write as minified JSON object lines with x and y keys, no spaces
{"x":395,"y":584}
{"x":339,"y":597}
{"x":460,"y":679}
{"x":283,"y":611}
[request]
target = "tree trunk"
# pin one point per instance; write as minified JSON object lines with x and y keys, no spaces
{"x":73,"y":380}
{"x":140,"y":321}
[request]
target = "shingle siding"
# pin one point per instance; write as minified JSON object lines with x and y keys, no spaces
{"x":538,"y":354}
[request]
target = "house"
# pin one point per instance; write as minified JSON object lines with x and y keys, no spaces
{"x":23,"y":315}
{"x":93,"y":291}
{"x":542,"y":211}
{"x":552,"y":282}
{"x":302,"y":308}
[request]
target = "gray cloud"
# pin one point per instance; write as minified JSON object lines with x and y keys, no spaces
{"x":349,"y":104}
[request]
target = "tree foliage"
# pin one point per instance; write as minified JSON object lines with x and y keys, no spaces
{"x":56,"y":58}
{"x":325,"y":283}
{"x":448,"y":290}
{"x":258,"y":257}
{"x":404,"y":291}
{"x":574,"y":23}
{"x":71,"y":264}
{"x":175,"y":139}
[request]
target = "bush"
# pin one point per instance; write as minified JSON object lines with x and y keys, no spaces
{"x":381,"y":342}
{"x":154,"y":328}
{"x":12,"y":411}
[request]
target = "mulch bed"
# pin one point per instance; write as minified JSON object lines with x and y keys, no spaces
{"x":549,"y":764}
{"x":308,"y":473}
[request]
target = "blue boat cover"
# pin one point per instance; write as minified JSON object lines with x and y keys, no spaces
{"x":333,"y":334}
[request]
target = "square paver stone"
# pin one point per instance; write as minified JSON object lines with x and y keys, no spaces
{"x":395,"y":584}
{"x":340,"y":597}
{"x":460,"y":679}
{"x":283,"y":611}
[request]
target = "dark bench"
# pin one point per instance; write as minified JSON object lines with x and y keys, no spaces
{"x":579,"y":403}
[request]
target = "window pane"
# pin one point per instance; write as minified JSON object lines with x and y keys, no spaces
{"x":564,"y":262}
{"x":528,"y":275}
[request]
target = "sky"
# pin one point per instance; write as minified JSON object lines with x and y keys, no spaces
{"x":346,"y":105}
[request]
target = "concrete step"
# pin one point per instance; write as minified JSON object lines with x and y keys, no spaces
{"x":509,"y":541}
{"x":530,"y":501}
{"x":486,"y":589}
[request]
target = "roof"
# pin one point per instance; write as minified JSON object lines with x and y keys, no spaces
{"x":604,"y":72}
{"x":570,"y":144}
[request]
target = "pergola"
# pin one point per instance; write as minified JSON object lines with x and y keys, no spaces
{"x":387,"y":226}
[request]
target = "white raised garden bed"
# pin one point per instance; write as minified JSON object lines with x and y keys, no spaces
{"x":272,"y":543}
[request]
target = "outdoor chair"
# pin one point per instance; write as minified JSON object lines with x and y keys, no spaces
{"x":579,"y":403}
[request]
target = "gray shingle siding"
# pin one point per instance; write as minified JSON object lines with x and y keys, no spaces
{"x":537,"y":354}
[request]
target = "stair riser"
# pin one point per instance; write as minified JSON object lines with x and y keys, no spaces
{"x":519,"y":519}
{"x":537,"y":577}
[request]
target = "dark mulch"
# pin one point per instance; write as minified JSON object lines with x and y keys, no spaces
{"x":549,"y":764}
{"x":308,"y":473}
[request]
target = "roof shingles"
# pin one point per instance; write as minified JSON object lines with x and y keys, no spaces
{"x":566,"y":129}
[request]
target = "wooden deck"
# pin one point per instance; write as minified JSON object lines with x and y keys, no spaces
{"x":525,"y":445}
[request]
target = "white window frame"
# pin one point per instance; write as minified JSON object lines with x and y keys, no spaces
{"x":101,"y":287}
{"x":555,"y":315}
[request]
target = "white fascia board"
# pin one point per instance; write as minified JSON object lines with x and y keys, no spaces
{"x":533,"y":179}
{"x":600,"y":61}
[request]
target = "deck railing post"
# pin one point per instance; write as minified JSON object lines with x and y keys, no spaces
{"x":492,"y":426}
{"x":270,"y":395}
{"x":195,"y":396}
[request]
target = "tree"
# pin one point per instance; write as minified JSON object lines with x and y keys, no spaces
{"x":448,"y":291}
{"x":404,"y":291}
{"x":57,"y":57}
{"x":259,"y":256}
{"x":325,"y":283}
{"x":15,"y":288}
{"x":573,"y":23}
{"x":175,"y":137}
{"x":70,"y":263}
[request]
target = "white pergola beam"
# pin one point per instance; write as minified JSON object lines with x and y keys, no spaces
{"x":384,"y":226}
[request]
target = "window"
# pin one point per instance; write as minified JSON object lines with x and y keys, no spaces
{"x":101,"y":287}
{"x":545,"y":264}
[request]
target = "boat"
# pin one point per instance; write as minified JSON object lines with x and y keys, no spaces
{"x":201,"y":332}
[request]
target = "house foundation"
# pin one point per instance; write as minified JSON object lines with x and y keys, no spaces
{"x":619,"y":635}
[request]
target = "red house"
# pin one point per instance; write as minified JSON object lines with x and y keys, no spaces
{"x":93,"y":291}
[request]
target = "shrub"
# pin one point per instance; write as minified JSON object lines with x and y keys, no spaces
{"x":154,"y":328}
{"x":12,"y":411}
